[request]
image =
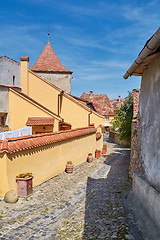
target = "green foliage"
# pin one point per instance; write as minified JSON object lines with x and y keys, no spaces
{"x":123,"y":118}
{"x":113,"y":128}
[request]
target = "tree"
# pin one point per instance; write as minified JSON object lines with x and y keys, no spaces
{"x":123,"y":118}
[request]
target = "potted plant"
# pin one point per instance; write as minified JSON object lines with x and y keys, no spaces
{"x":104,"y":149}
{"x":90,"y":158}
{"x":69,"y":167}
{"x":5,"y":128}
{"x":24,"y":184}
{"x":97,"y":153}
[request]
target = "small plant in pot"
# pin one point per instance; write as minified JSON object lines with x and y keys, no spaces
{"x":24,"y":184}
{"x":69,"y":167}
{"x":90,"y":158}
{"x":104,"y":149}
{"x":97,"y":153}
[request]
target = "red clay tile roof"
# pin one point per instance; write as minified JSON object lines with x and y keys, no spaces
{"x":102,"y":104}
{"x":12,"y":145}
{"x":49,"y":62}
{"x":116,"y":103}
{"x":40,"y":121}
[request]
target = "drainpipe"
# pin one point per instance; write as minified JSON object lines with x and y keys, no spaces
{"x":150,"y":47}
{"x":59,"y":95}
{"x":89,"y":118}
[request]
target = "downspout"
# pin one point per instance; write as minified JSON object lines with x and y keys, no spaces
{"x":151,"y":45}
{"x":59,"y":95}
{"x":89,"y":118}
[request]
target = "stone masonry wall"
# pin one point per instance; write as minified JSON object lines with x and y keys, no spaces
{"x":136,"y":163}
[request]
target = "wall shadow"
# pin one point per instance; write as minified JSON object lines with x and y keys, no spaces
{"x":103,"y":200}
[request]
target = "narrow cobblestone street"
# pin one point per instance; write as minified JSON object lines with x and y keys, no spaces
{"x":87,"y":204}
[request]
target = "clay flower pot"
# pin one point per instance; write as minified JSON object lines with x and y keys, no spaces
{"x":24,"y":186}
{"x":97,"y":154}
{"x":69,"y":167}
{"x":5,"y":128}
{"x":104,"y":150}
{"x":90,"y":158}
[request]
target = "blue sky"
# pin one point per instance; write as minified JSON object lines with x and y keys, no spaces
{"x":96,"y":39}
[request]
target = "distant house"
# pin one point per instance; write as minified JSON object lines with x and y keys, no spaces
{"x":9,"y":77}
{"x":102,"y":104}
{"x":9,"y":72}
{"x":146,"y":167}
{"x":49,"y":67}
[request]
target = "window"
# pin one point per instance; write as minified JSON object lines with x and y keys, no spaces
{"x":14,"y":80}
{"x":107,"y":118}
{"x":1,"y":121}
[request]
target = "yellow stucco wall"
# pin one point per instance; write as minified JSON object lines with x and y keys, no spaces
{"x":73,"y":113}
{"x":99,"y":143}
{"x":111,"y":119}
{"x":71,"y":110}
{"x":4,"y":185}
{"x":97,"y":119}
{"x":44,"y":162}
{"x":20,"y":109}
{"x":43,"y":92}
{"x":24,"y":76}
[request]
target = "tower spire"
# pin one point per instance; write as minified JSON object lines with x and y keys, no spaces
{"x":48,"y":36}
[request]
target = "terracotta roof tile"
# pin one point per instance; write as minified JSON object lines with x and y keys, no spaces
{"x":116,"y":103}
{"x":49,"y":62}
{"x":12,"y":145}
{"x":40,"y":121}
{"x":102,"y":104}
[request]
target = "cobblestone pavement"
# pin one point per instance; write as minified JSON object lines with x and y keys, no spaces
{"x":86,"y":204}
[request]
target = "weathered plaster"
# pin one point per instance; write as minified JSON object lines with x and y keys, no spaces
{"x":8,"y":69}
{"x":150,"y":122}
{"x":4,"y":103}
{"x":60,"y":80}
{"x":148,"y":197}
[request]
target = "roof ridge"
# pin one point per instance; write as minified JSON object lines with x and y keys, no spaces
{"x":10,"y":59}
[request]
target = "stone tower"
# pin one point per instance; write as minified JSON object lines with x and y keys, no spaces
{"x":50,"y":68}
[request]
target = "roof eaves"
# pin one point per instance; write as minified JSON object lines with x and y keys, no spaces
{"x":150,"y":47}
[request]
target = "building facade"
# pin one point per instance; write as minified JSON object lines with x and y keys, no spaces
{"x":146,"y":160}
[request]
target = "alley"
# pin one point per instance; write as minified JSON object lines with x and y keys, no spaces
{"x":88,"y":204}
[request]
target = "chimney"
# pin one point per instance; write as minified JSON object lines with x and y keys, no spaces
{"x":119,"y":98}
{"x":24,"y":74}
{"x":91,"y":93}
{"x":135,"y":102}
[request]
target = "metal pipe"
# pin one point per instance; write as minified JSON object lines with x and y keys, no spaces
{"x":61,"y":93}
{"x":89,"y":118}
